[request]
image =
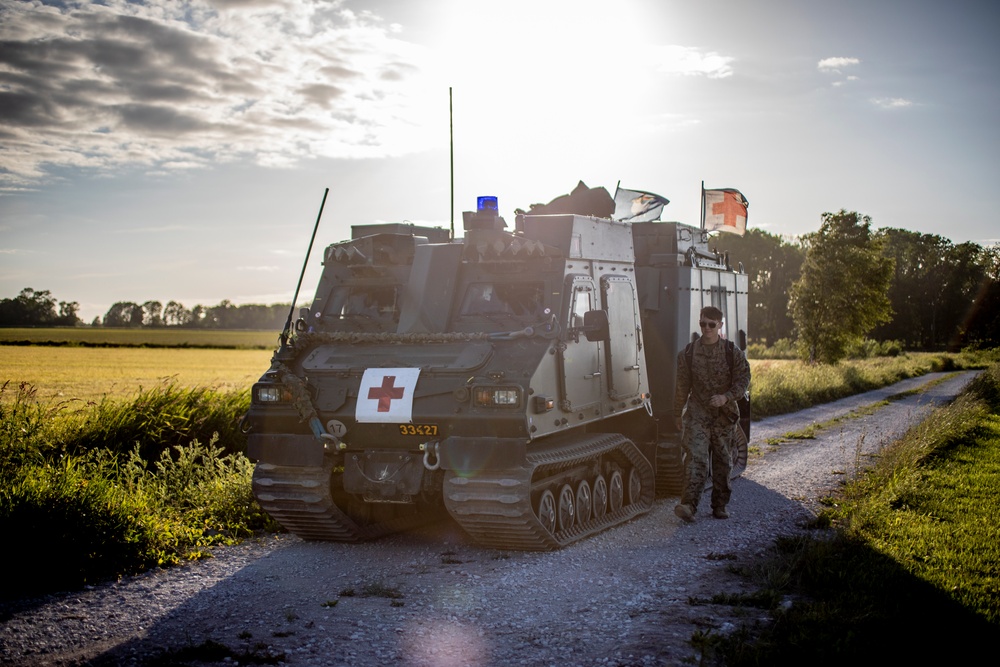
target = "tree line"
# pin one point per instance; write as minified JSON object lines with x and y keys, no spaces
{"x":825,"y":291}
{"x":38,"y":308}
{"x":225,"y":315}
{"x":828,"y":289}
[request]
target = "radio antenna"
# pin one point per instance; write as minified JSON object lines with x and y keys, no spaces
{"x":288,"y":323}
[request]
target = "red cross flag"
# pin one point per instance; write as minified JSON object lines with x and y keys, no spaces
{"x":724,"y":210}
{"x":386,"y":395}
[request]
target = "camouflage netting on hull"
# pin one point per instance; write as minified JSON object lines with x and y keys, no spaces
{"x":309,"y":339}
{"x":301,"y":399}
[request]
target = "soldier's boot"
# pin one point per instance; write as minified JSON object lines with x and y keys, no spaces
{"x":720,"y":513}
{"x":685,"y":512}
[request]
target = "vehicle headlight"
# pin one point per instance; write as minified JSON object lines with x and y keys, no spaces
{"x":271,"y":393}
{"x":496,"y":397}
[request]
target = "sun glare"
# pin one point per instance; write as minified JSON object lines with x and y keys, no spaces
{"x":533,"y":48}
{"x":540,"y":71}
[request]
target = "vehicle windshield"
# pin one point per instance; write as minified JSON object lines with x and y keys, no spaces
{"x":377,"y":302}
{"x":522,"y":300}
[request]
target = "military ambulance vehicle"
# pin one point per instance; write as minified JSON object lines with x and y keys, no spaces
{"x":520,"y":381}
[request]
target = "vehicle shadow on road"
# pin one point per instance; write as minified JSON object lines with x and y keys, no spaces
{"x":432,"y":596}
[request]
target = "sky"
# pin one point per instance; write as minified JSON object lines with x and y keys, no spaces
{"x":180,"y":149}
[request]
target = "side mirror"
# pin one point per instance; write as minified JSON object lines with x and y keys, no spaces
{"x":300,"y":324}
{"x":595,"y":326}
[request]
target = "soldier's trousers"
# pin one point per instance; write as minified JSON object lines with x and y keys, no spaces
{"x":700,"y":441}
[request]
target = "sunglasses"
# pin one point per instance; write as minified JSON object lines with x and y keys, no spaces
{"x":710,"y":325}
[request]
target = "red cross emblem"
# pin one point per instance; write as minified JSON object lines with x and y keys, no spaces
{"x":731,"y":208}
{"x":386,"y":393}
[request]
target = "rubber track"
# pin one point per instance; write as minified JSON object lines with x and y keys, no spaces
{"x":299,"y":499}
{"x":495,"y":507}
{"x":669,"y":471}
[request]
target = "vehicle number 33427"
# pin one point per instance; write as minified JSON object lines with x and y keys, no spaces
{"x":418,"y":429}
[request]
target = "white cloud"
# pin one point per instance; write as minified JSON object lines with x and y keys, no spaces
{"x":173,"y":85}
{"x":265,"y":269}
{"x":836,"y":64}
{"x":157,"y":230}
{"x":689,"y":61}
{"x":892,"y":102}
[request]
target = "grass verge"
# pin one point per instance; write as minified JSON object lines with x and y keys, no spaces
{"x":782,"y":386}
{"x":910,"y":572}
{"x":120,"y":488}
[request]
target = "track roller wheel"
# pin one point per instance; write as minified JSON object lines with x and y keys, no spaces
{"x":600,"y":492}
{"x":634,"y":486}
{"x":546,"y":511}
{"x":616,"y":491}
{"x":567,"y":507}
{"x":584,"y":502}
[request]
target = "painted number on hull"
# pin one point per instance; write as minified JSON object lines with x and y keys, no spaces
{"x":418,"y":429}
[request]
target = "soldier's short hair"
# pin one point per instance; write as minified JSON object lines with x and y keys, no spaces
{"x":712,"y":313}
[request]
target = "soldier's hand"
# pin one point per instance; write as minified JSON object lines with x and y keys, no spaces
{"x":718,"y":401}
{"x":679,"y":423}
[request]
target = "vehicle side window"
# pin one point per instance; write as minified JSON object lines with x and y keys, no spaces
{"x":582,"y":302}
{"x":516,"y":299}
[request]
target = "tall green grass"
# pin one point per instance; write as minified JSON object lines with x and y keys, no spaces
{"x":911,"y":572}
{"x":866,"y":348}
{"x":782,"y":386}
{"x":121,"y":487}
{"x":158,"y":419}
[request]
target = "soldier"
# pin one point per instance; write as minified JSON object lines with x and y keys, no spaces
{"x":712,"y":373}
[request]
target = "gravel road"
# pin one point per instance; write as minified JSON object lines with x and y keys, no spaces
{"x":633,"y":595}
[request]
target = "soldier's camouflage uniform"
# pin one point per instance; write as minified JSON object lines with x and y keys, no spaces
{"x":708,"y":429}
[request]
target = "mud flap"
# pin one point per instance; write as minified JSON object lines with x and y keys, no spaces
{"x":285,"y":449}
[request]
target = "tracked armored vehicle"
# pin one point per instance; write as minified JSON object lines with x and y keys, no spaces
{"x":519,"y":381}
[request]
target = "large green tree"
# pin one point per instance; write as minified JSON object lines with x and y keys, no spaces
{"x":123,"y":314}
{"x":934,"y":288}
{"x":772,"y":265}
{"x":37,"y":308}
{"x":176,"y":314}
{"x":982,"y":326}
{"x":152,"y":314}
{"x":841,"y":294}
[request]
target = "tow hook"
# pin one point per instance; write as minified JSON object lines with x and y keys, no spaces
{"x":431,"y":449}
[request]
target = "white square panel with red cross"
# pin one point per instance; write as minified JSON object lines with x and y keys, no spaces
{"x":386,"y":395}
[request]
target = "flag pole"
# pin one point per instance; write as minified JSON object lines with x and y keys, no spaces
{"x":451,"y":160}
{"x":703,"y":204}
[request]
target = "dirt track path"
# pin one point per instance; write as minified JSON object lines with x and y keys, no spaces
{"x":622,"y":598}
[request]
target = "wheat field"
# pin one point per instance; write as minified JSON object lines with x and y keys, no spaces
{"x":88,"y":374}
